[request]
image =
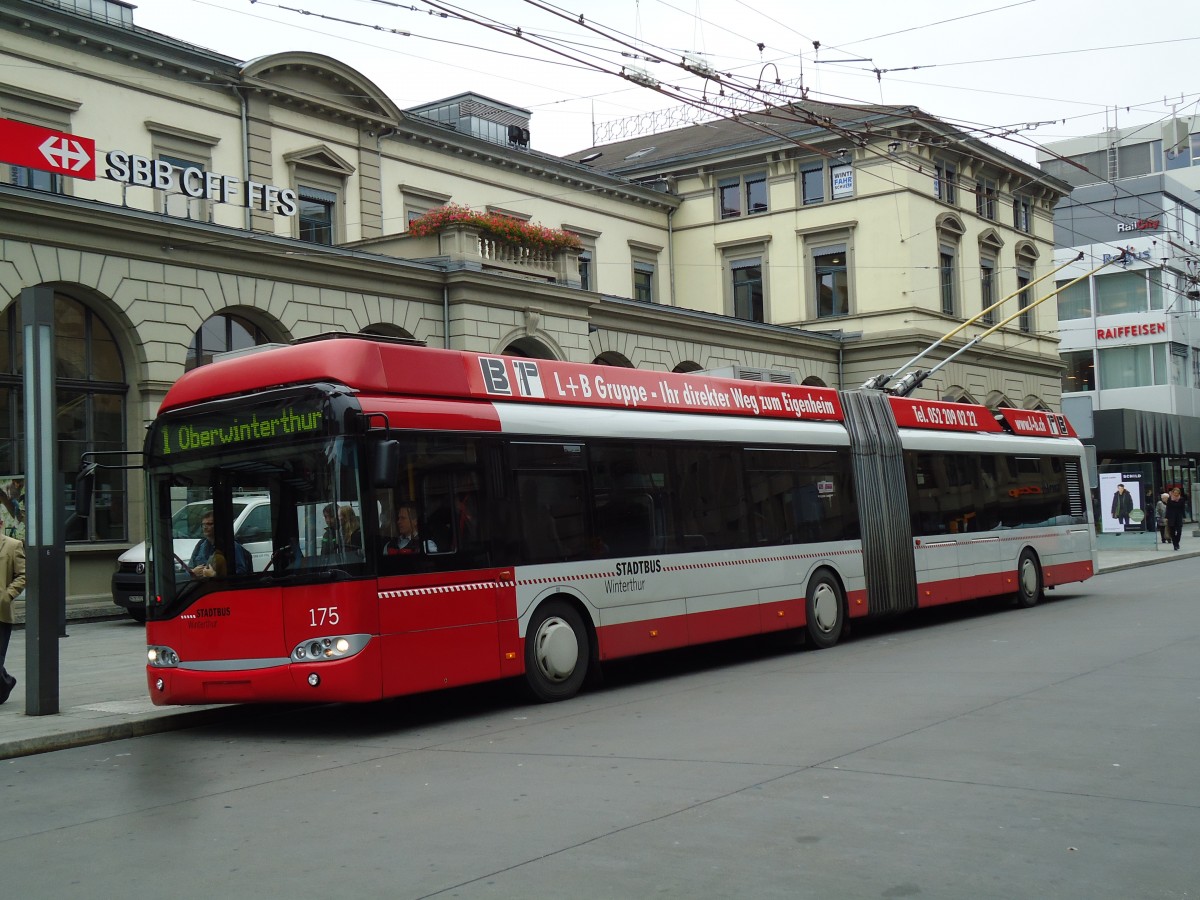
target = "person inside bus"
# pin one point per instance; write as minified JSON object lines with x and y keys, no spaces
{"x":208,"y":561}
{"x":407,"y":539}
{"x":351,"y":529}
{"x":330,"y":541}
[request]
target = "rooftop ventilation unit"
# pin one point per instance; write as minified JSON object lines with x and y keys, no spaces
{"x":518,"y":136}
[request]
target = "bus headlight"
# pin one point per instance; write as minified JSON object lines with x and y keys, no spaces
{"x":161,"y":657}
{"x":327,"y":649}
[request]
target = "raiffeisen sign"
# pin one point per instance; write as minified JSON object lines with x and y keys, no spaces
{"x":75,"y":157}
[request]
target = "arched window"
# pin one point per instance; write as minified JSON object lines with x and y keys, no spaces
{"x":220,"y":334}
{"x":612,"y":358}
{"x":90,"y":392}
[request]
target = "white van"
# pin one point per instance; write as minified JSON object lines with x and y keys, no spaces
{"x":251,"y":529}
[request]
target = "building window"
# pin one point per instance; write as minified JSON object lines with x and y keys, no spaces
{"x":945,"y":182}
{"x":812,"y":181}
{"x":946,"y":279}
{"x":44,"y":111}
{"x":1126,"y":292}
{"x":841,"y":182}
{"x":1080,"y":371}
{"x":1074,"y":302}
{"x":1139,"y":159}
{"x":1142,"y":365}
{"x":985,"y":198}
{"x":316,"y":215}
{"x":35,"y":179}
{"x":220,"y":334}
{"x":585,"y":270}
{"x":746,"y":194}
{"x":176,"y":201}
{"x":1178,"y":360}
{"x":89,"y":398}
{"x":643,"y":281}
{"x":832,"y":283}
{"x":1024,"y":298}
{"x":987,"y":289}
{"x":1022,"y":214}
{"x":587,"y":255}
{"x":748,"y":289}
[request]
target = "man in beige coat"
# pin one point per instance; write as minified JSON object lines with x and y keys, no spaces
{"x":12,"y":576}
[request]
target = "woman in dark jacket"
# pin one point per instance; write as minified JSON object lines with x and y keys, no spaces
{"x":1175,"y":509}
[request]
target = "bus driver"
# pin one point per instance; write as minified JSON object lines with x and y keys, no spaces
{"x":208,"y":561}
{"x":407,"y":539}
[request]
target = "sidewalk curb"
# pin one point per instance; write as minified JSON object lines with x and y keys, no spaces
{"x":1141,"y":563}
{"x":101,"y":734}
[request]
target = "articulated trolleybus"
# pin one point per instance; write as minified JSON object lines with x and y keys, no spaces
{"x":436,"y":518}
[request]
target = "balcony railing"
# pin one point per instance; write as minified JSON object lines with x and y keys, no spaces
{"x":474,"y":248}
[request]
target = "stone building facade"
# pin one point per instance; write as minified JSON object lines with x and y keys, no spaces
{"x":234,"y":204}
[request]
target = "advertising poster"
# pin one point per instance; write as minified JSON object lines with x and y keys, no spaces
{"x":1121,"y":502}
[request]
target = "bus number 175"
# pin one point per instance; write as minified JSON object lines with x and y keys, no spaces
{"x":323,"y":615}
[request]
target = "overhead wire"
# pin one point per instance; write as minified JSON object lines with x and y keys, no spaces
{"x":660,"y":55}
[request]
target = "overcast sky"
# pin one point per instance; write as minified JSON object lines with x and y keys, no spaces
{"x":1051,"y":69}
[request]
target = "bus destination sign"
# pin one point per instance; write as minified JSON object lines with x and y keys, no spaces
{"x":237,"y":430}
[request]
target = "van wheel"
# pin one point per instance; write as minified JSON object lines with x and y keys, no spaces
{"x":824,"y":610}
{"x":138,"y":615}
{"x":1029,"y":580}
{"x":557,"y":651}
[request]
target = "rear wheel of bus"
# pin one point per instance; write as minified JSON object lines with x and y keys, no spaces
{"x":557,"y":652}
{"x":1029,"y":580}
{"x":824,"y":610}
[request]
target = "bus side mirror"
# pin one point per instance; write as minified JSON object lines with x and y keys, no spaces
{"x":385,"y":464}
{"x":85,"y":483}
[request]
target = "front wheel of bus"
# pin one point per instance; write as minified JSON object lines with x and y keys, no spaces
{"x":824,"y":610}
{"x":556,"y":652}
{"x":1029,"y":580}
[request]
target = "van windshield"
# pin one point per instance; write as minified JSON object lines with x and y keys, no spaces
{"x":247,"y":518}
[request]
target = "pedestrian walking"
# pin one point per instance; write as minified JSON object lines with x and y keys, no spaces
{"x":1160,"y":514}
{"x":1175,"y":510}
{"x":12,"y":576}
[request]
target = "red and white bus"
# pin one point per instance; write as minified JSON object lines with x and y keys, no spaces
{"x":566,"y":515}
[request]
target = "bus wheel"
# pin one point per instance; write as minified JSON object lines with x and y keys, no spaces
{"x":1029,"y":580}
{"x":824,"y":611}
{"x":556,"y":652}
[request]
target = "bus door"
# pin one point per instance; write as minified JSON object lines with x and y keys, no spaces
{"x":439,"y":629}
{"x":441,"y":598}
{"x":951,"y":547}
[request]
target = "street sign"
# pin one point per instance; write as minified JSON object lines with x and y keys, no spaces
{"x":47,"y":150}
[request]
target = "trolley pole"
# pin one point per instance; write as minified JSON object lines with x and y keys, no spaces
{"x":45,"y":585}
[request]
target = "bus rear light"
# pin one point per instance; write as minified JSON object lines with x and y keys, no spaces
{"x":162,"y":657}
{"x":327,"y":649}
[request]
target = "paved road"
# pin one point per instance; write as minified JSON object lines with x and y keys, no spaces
{"x":981,"y":753}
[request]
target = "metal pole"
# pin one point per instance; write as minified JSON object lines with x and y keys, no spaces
{"x":45,"y":592}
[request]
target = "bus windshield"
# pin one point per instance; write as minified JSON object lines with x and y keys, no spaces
{"x":289,"y":510}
